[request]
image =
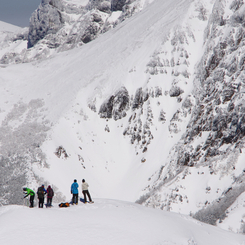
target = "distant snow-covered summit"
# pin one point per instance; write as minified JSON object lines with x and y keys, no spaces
{"x":6,"y":27}
{"x":59,"y":25}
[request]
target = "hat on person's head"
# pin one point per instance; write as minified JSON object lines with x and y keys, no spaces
{"x":24,"y":188}
{"x":75,"y":180}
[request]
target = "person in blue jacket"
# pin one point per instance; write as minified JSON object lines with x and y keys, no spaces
{"x":74,"y":192}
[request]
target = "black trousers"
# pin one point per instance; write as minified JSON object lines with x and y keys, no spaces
{"x":75,"y":198}
{"x":86,"y":193}
{"x":41,"y":201}
{"x":32,"y":201}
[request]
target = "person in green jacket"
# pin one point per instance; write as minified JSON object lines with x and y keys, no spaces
{"x":30,"y":192}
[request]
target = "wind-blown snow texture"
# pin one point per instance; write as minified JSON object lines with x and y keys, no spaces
{"x":143,"y":99}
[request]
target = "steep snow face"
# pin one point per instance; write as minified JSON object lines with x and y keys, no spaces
{"x":59,"y":25}
{"x":214,"y":137}
{"x":118,"y":118}
{"x":63,"y":102}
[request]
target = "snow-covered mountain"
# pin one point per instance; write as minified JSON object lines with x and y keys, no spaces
{"x":147,"y":108}
{"x":59,"y":25}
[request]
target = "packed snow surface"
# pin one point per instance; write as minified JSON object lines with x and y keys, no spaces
{"x":107,"y":222}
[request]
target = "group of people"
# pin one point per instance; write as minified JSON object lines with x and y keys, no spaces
{"x":41,"y":192}
{"x":75,"y":192}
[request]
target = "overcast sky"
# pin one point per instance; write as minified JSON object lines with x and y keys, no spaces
{"x":17,"y":12}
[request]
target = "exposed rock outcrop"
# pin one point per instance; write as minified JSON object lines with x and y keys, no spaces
{"x":47,"y":19}
{"x":60,"y":25}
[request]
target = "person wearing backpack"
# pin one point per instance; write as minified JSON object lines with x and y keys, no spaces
{"x":41,"y":192}
{"x":50,"y":194}
{"x":30,"y":193}
{"x":74,"y":192}
{"x":86,"y":192}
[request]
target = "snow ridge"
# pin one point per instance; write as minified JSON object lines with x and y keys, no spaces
{"x":107,"y":222}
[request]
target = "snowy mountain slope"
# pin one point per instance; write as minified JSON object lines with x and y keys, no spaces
{"x":214,"y":139}
{"x":107,"y":222}
{"x":5,"y":27}
{"x":61,"y":25}
{"x":143,"y":112}
{"x":12,"y":38}
{"x":50,"y":92}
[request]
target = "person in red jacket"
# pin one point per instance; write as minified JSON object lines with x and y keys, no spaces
{"x":50,"y":194}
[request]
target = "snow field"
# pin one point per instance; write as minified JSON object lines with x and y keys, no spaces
{"x":107,"y":222}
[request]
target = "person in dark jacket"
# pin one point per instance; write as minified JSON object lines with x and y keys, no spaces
{"x":74,"y":192}
{"x":50,"y":194}
{"x":30,"y":193}
{"x":41,"y":192}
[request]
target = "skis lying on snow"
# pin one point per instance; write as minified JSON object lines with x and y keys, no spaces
{"x":82,"y":200}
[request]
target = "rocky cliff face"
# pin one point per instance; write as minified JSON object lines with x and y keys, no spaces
{"x":59,"y":25}
{"x":214,"y":136}
{"x":47,"y":19}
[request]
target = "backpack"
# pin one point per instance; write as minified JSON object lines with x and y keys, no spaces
{"x":50,"y":192}
{"x":40,"y":192}
{"x":64,"y":205}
